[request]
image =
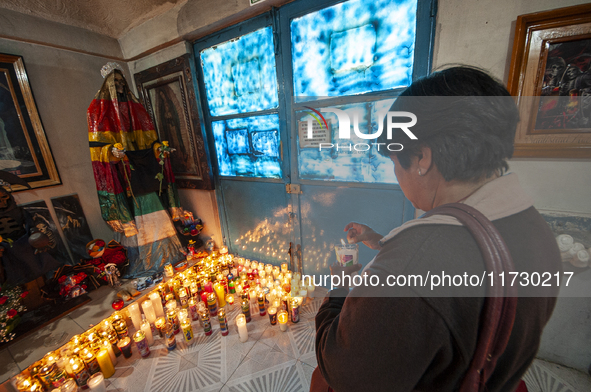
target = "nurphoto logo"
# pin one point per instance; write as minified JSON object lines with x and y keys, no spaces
{"x":345,"y":129}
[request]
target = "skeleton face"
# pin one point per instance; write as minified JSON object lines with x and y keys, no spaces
{"x":119,"y":83}
{"x":556,"y":70}
{"x":572,"y":72}
{"x":4,"y":198}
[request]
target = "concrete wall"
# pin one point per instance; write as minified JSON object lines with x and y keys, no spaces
{"x":63,"y":83}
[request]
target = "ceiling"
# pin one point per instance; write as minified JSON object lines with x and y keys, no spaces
{"x":109,"y":17}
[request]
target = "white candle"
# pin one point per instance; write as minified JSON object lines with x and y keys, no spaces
{"x":109,"y":348}
{"x":147,"y":330}
{"x":96,"y":383}
{"x":157,"y":304}
{"x":282,"y":318}
{"x":148,"y":308}
{"x":241,"y":324}
{"x":135,"y":315}
{"x":303,"y":294}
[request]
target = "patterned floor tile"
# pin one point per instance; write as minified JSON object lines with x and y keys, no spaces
{"x":285,"y":377}
{"x":303,"y":335}
{"x":132,"y":374}
{"x":278,"y":340}
{"x":545,"y":376}
{"x":308,"y":370}
{"x":259,"y":358}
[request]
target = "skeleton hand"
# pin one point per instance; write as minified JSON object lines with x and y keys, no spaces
{"x":165,"y":150}
{"x":118,"y":150}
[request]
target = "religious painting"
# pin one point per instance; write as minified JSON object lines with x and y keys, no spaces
{"x":551,"y":77}
{"x":169,"y":97}
{"x":43,"y":221}
{"x":24,"y":150}
{"x":72,"y":220}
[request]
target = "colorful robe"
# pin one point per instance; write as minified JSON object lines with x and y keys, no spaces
{"x":128,"y":188}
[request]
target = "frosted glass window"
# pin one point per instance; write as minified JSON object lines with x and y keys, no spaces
{"x":239,"y":75}
{"x":354,"y":47}
{"x":331,"y":164}
{"x":248,"y":147}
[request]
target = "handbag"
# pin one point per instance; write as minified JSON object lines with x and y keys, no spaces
{"x":498,"y":314}
{"x":499,"y":307}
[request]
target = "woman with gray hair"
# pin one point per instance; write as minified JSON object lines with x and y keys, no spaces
{"x":423,"y":337}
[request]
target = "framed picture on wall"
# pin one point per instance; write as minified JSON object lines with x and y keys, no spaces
{"x":24,"y":150}
{"x":550,"y":75}
{"x":168,"y":95}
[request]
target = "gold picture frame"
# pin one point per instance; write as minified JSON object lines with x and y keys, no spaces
{"x":167,"y":92}
{"x":550,"y":76}
{"x":24,"y":150}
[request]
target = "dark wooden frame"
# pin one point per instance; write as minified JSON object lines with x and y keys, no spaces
{"x":20,"y":113}
{"x":533,"y":34}
{"x":178,"y":71}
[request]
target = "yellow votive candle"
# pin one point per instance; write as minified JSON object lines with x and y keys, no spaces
{"x":219,"y":290}
{"x":105,"y":363}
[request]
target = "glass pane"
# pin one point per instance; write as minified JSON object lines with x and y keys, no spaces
{"x":248,"y":147}
{"x":354,"y":163}
{"x":355,"y":47}
{"x":239,"y":75}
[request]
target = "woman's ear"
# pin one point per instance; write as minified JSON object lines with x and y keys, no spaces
{"x":425,"y":160}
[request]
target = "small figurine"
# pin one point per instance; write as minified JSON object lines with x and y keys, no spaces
{"x":113,"y":274}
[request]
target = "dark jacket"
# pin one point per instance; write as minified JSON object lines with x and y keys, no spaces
{"x":418,"y":339}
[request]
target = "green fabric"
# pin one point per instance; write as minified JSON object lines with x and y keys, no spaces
{"x":173,"y":196}
{"x":114,"y":207}
{"x":148,"y":203}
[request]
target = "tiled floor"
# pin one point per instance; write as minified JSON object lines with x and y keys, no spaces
{"x":270,"y":361}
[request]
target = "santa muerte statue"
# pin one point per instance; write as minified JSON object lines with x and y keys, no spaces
{"x":136,"y":188}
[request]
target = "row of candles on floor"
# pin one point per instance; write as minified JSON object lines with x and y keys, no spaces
{"x":208,"y":290}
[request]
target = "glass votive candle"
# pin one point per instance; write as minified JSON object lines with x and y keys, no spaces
{"x":304,"y":294}
{"x":230,"y":301}
{"x":241,"y":325}
{"x":160,"y":324}
{"x":125,"y":346}
{"x":168,"y":271}
{"x":96,"y":383}
{"x":262,"y":273}
{"x":141,"y":342}
{"x":284,"y":267}
{"x":282,"y":318}
{"x":272,"y":315}
{"x":183,"y":314}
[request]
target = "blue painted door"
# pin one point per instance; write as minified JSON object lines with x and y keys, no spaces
{"x":263,"y":81}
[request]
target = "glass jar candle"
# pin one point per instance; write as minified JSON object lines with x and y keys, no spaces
{"x":141,"y":342}
{"x":125,"y":346}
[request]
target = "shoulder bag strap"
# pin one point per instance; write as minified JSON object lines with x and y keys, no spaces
{"x":498,"y":313}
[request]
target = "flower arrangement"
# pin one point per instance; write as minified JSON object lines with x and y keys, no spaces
{"x":11,"y":306}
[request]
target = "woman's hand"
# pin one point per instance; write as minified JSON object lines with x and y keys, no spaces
{"x":358,"y":232}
